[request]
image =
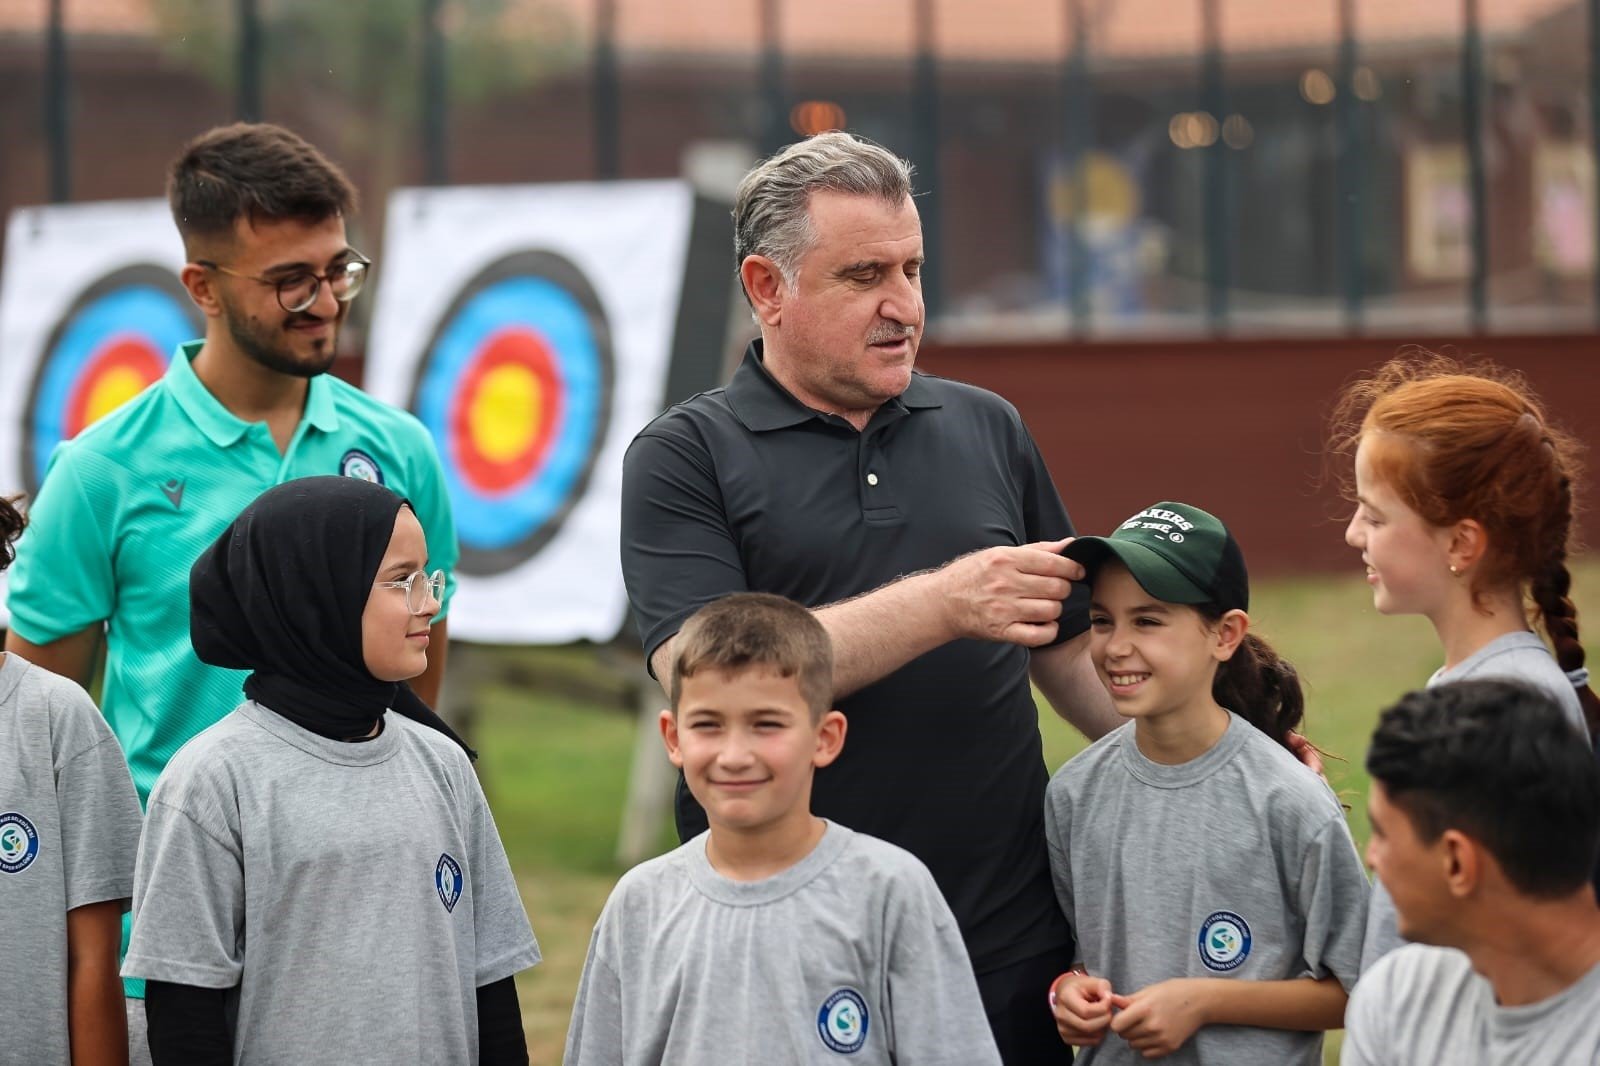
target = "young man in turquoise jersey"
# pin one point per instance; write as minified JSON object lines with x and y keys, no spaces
{"x":127,"y":505}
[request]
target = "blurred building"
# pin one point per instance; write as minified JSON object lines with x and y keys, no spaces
{"x":1100,"y":167}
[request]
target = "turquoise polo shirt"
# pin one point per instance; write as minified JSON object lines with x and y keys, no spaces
{"x":129,"y":504}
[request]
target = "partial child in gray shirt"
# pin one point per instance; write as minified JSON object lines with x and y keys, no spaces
{"x":775,"y":936}
{"x":1464,"y":509}
{"x":321,"y":880}
{"x":69,"y":831}
{"x":1485,"y":823}
{"x":1210,"y":879}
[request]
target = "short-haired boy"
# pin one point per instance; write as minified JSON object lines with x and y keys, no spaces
{"x":1485,"y":823}
{"x":775,"y":936}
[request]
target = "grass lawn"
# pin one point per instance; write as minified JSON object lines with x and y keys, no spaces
{"x":556,"y":768}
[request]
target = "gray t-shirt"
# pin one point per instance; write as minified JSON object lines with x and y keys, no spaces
{"x":354,"y":896}
{"x":850,"y":956}
{"x":1235,"y":865}
{"x":69,"y":832}
{"x":1422,"y":1006}
{"x":1518,"y":656}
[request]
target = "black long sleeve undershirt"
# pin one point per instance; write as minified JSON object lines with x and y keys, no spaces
{"x":501,"y":1041}
{"x":188,"y":1025}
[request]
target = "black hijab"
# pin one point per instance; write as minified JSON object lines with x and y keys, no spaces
{"x":282,"y":592}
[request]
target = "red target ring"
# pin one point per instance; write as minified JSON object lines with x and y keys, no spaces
{"x":495,"y":441}
{"x":122,"y":368}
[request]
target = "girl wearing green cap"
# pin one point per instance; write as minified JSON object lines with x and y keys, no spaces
{"x":1210,"y":879}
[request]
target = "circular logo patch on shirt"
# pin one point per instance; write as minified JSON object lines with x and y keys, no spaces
{"x":447,"y":879}
{"x":1224,"y":941}
{"x":19,"y":843}
{"x":358,"y":464}
{"x":842,"y":1021}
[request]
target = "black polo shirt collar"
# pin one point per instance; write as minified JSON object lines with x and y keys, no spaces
{"x":762,"y":404}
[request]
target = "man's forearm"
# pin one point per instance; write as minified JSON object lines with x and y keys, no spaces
{"x":877,"y":633}
{"x":873,"y":634}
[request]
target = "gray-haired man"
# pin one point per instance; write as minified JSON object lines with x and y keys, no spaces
{"x":915,"y":516}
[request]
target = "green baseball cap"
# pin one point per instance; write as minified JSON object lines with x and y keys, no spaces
{"x":1177,"y":553}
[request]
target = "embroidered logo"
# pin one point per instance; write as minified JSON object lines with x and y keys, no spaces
{"x":842,"y":1021}
{"x":357,"y":463}
{"x":447,"y":879}
{"x":1224,"y":941}
{"x":172,"y":489}
{"x":19,"y":843}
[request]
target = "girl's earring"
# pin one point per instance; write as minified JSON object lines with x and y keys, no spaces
{"x":1453,"y":571}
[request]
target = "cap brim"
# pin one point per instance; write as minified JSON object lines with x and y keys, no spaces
{"x":1149,"y":568}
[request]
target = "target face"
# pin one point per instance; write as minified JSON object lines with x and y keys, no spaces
{"x":515,"y":387}
{"x":114,"y":340}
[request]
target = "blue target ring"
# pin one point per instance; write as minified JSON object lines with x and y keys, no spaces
{"x":123,"y":328}
{"x":515,"y":389}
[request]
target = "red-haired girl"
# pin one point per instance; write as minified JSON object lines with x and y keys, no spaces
{"x":1464,"y":493}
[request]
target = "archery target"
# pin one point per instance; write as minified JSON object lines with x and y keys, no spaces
{"x":515,"y":388}
{"x":113,"y":341}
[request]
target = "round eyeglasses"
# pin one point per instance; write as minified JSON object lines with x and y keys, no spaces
{"x":299,"y":290}
{"x":424,"y":592}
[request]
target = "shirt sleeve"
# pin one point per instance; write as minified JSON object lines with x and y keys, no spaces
{"x":935,"y":1011}
{"x":595,"y":1036}
{"x":1333,"y":892}
{"x":1383,"y":928}
{"x":505,"y":940}
{"x":62,"y":580}
{"x":678,"y":552}
{"x":188,"y":902}
{"x":431,"y":500}
{"x":99,"y":808}
{"x":1366,"y":1039}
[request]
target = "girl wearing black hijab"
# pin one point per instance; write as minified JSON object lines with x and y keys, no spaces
{"x":320,"y":880}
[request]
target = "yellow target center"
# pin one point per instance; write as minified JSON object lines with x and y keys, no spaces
{"x":506,"y":412}
{"x":110,"y":391}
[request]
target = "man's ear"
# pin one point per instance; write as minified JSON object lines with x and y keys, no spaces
{"x":669,"y":737}
{"x":830,"y":738}
{"x":1461,"y":861}
{"x":201,"y":284}
{"x":764,"y":285}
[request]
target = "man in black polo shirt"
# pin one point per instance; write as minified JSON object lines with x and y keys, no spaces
{"x":915,"y":516}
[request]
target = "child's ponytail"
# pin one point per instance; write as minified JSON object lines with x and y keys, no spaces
{"x":1262,"y":688}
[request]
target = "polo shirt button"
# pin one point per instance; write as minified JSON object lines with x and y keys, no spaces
{"x":872,"y":479}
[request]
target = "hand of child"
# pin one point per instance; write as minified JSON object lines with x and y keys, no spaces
{"x":1308,"y":754}
{"x":1082,"y":1008}
{"x":1160,"y":1018}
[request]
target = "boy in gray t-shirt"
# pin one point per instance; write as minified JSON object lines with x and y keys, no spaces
{"x":1485,"y":823}
{"x":775,"y":936}
{"x":69,"y":833}
{"x":1519,"y":656}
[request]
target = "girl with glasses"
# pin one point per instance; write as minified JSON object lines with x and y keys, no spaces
{"x":321,"y":880}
